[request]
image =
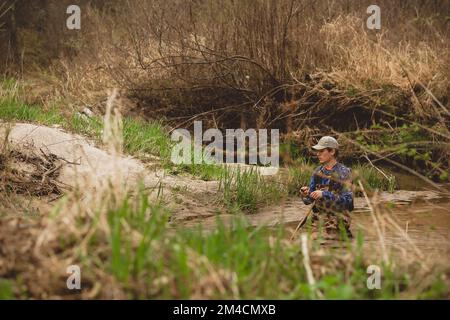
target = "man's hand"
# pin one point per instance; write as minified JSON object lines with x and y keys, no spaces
{"x":304,"y":191}
{"x":316,"y":194}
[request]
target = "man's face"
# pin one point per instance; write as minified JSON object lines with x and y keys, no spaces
{"x":324,"y":155}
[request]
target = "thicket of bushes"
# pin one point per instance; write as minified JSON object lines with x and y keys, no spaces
{"x":305,"y":67}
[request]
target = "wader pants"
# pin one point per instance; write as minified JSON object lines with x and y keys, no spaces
{"x":330,"y":225}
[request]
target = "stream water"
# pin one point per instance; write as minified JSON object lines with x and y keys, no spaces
{"x":410,"y":222}
{"x":422,"y":218}
{"x":424,"y":225}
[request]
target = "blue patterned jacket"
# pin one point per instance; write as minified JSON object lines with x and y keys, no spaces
{"x":337,"y":195}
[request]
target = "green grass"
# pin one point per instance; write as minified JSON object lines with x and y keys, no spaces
{"x":373,"y":179}
{"x":125,"y":259}
{"x":234,"y":261}
{"x":91,"y":127}
{"x":298,"y":176}
{"x":141,"y":256}
{"x":11,"y":110}
{"x":6,"y":290}
{"x":146,"y":137}
{"x":204,"y":171}
{"x":246,"y":190}
{"x":139,"y":136}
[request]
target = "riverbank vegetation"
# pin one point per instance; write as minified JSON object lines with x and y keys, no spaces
{"x":307,"y":68}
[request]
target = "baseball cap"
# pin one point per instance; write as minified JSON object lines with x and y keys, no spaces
{"x":326,"y":142}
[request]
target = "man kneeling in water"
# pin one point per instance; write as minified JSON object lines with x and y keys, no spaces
{"x":330,"y":190}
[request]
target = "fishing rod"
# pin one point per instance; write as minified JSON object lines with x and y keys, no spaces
{"x":303,"y":221}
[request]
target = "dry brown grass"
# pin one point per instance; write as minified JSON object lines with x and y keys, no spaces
{"x":307,"y":68}
{"x":183,"y":58}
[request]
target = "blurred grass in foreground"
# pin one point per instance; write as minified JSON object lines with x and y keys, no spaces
{"x":151,"y":259}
